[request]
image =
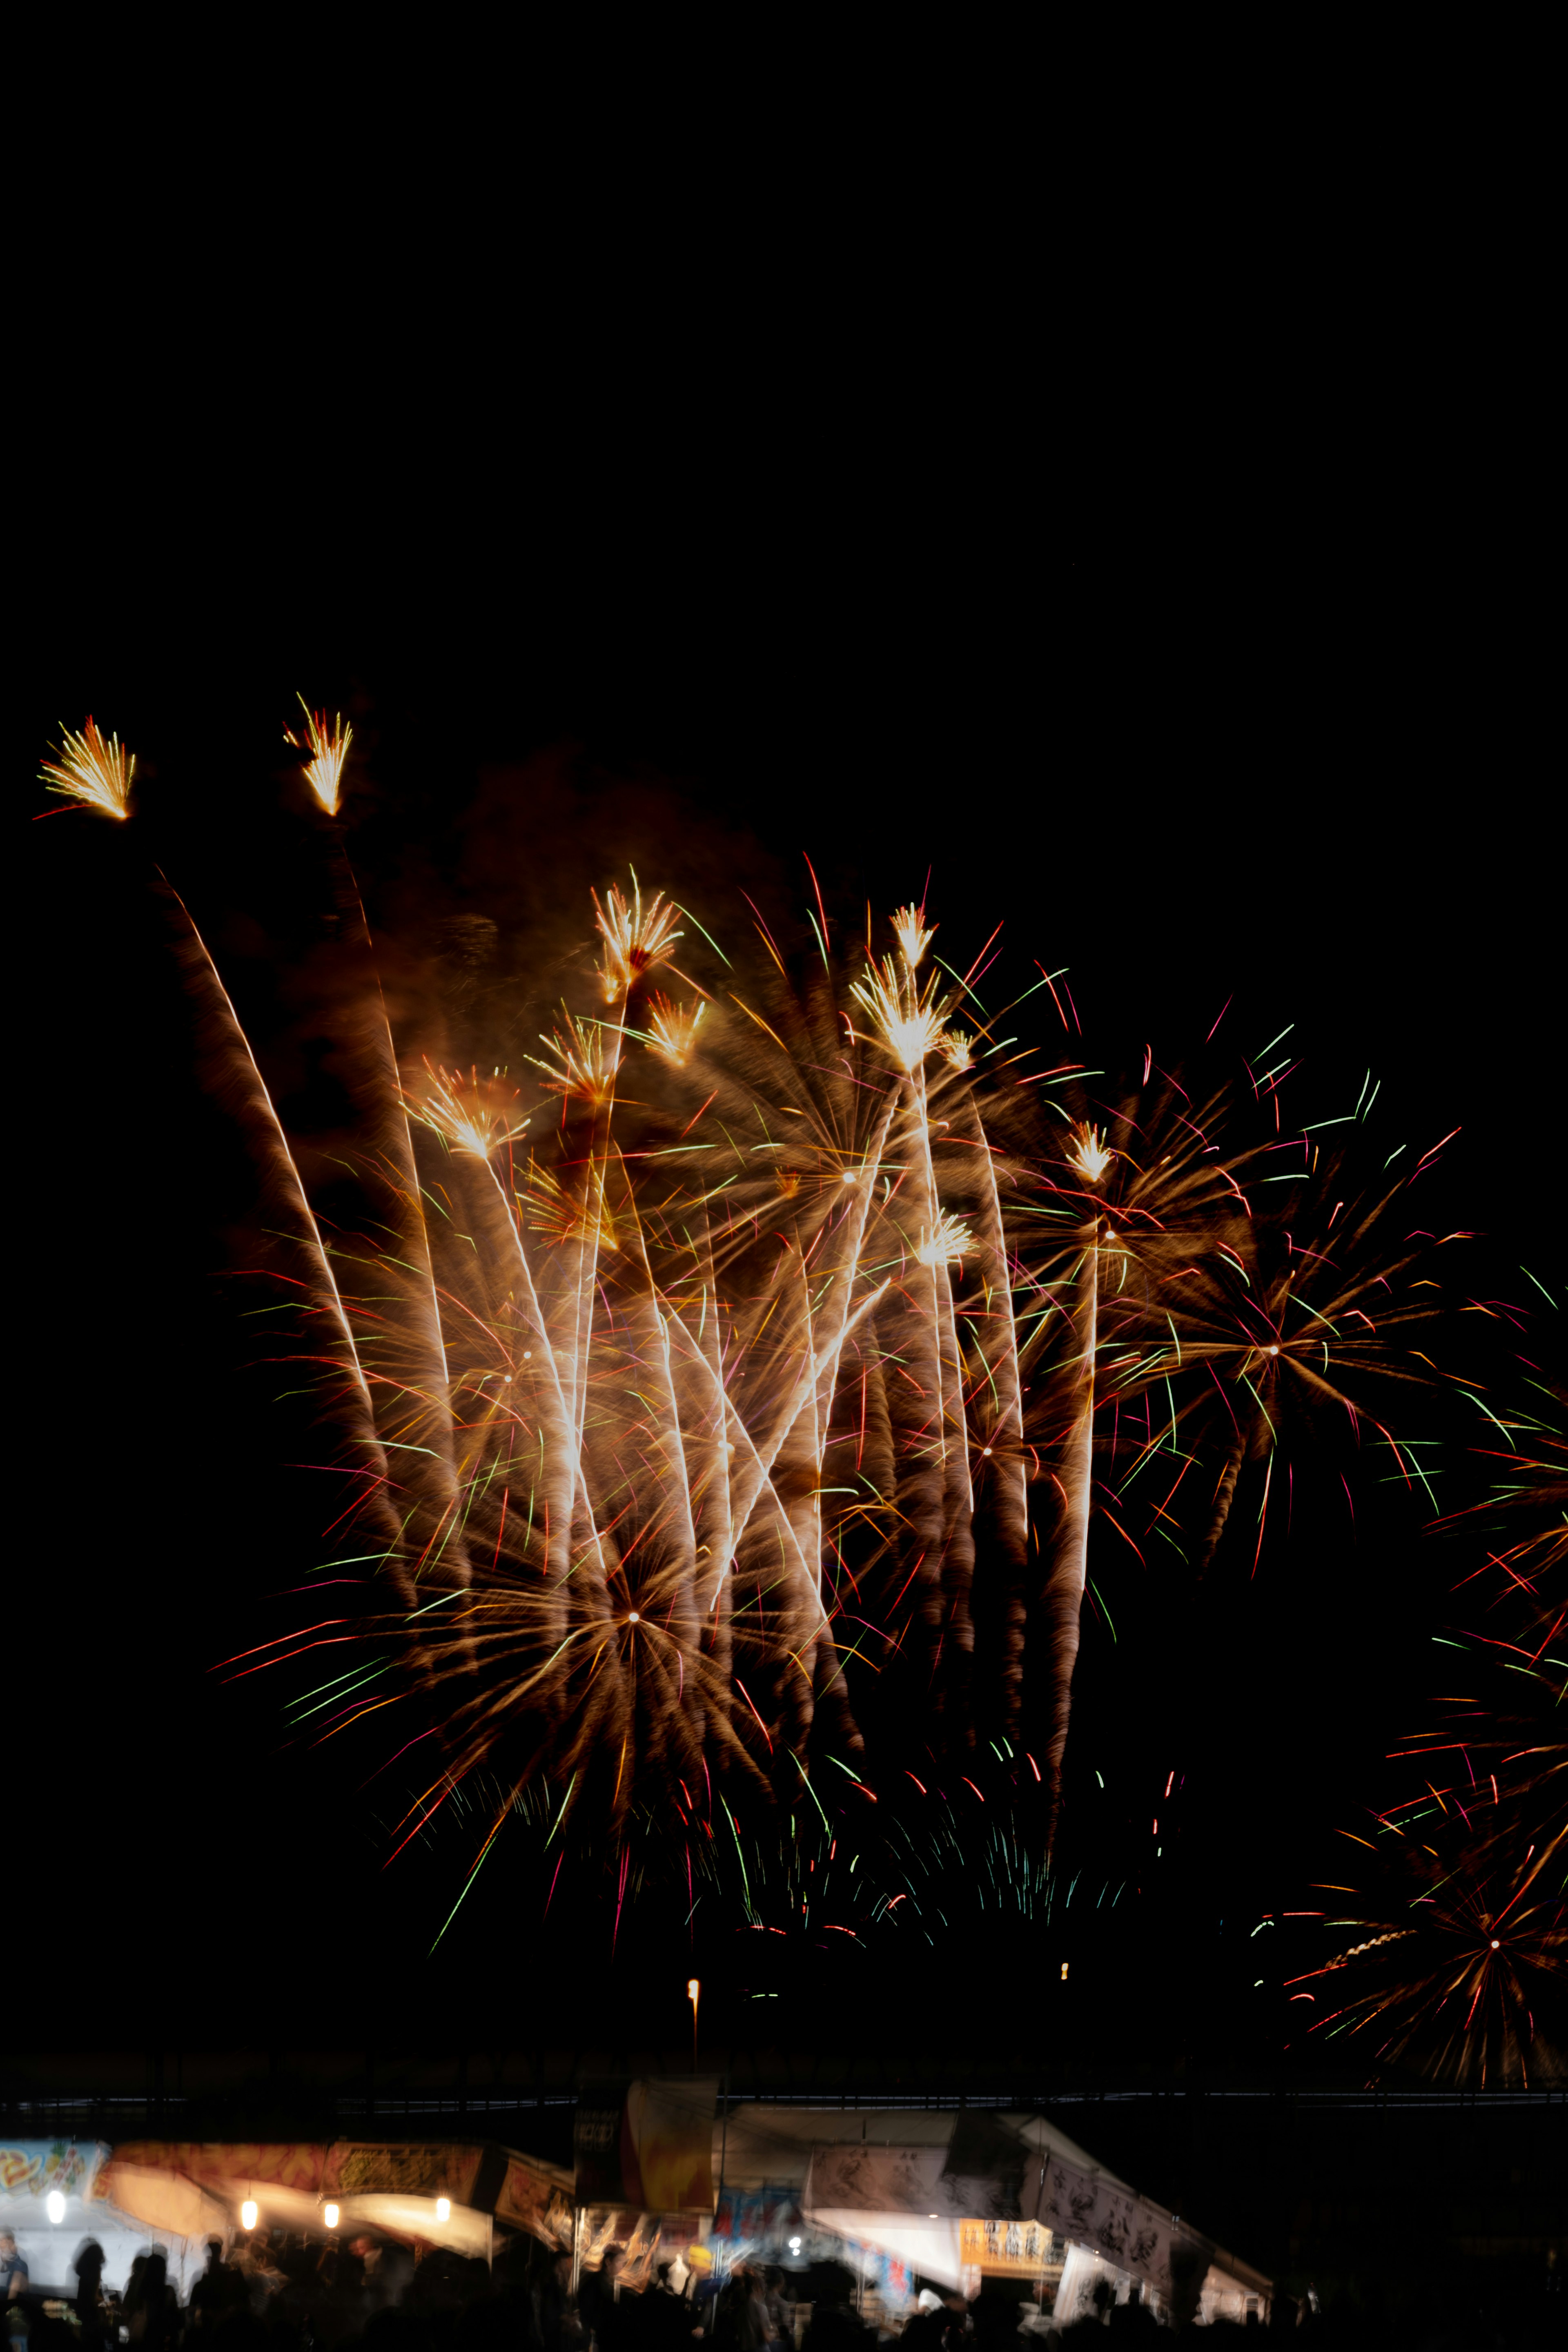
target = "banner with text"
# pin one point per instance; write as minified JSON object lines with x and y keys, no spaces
{"x":1117,"y":2222}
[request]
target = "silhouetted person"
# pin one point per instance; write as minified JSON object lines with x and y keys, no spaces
{"x":725,"y":2311}
{"x":781,"y":2311}
{"x":147,"y":2302}
{"x":957,"y":2325}
{"x":605,"y":2305}
{"x":993,"y":2317}
{"x":833,"y":2327}
{"x":1132,"y":2319}
{"x":701,"y":2290}
{"x":89,"y":2310}
{"x":212,"y":2297}
{"x":757,"y":2328}
{"x":668,"y":2318}
{"x":926,"y":2331}
{"x":560,"y":2329}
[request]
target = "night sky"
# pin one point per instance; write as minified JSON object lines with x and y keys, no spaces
{"x":1273,"y":742}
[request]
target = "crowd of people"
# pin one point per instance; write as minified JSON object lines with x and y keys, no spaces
{"x":273,"y":2293}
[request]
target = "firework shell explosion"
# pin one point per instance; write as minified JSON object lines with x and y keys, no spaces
{"x":1448,"y":1956}
{"x":728,"y":1390}
{"x":1460,"y":1920}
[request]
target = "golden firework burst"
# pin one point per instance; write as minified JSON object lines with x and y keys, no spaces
{"x":584,"y":1057}
{"x":326,"y":741}
{"x":672,"y":1030}
{"x":913,"y":938}
{"x":93,"y":770}
{"x":1089,"y":1156}
{"x":950,"y":1239}
{"x":637,"y":938}
{"x":908,"y":1021}
{"x":473,"y":1114}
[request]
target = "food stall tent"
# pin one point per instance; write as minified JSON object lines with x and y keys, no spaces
{"x":177,"y":2195}
{"x":902,"y":2182}
{"x":50,"y":2203}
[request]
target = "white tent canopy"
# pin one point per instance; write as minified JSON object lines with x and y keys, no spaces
{"x":46,"y":2202}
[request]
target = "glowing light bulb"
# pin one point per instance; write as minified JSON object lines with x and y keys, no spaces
{"x":55,"y":2207}
{"x":330,"y":2216}
{"x":1064,"y":1972}
{"x":692,"y":1988}
{"x":632,"y":1618}
{"x":443,"y":2208}
{"x":1496,"y":1945}
{"x":248,"y":2214}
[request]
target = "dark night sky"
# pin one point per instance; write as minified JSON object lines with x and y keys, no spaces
{"x":1194,"y":714}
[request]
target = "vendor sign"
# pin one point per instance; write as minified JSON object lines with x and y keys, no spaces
{"x":1118,"y":2224}
{"x":33,"y":2168}
{"x":407,"y":2169}
{"x":1007,"y":2249}
{"x":529,"y":2200}
{"x":857,"y":2177}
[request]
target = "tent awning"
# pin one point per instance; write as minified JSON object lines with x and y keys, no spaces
{"x":991,"y":2170}
{"x":197,"y":2187}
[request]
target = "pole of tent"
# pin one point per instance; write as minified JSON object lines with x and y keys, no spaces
{"x":723,"y":2150}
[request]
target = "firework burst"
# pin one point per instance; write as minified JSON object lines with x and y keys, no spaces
{"x":327,"y":740}
{"x":1462,"y":1957}
{"x":1458,"y":1947}
{"x":637,"y":940}
{"x":473,"y":1114}
{"x":93,"y":770}
{"x":713,"y":1441}
{"x":672,"y":1030}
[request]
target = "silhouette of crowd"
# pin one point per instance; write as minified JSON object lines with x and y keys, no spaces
{"x":276,"y":2292}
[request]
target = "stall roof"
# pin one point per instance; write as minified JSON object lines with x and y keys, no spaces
{"x":194,"y":2187}
{"x":763,"y":2147}
{"x":904,"y":2179}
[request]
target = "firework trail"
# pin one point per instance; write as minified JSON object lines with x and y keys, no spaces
{"x":1069,"y":1567}
{"x":714,"y":1407}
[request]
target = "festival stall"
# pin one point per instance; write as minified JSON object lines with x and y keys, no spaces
{"x":53,"y":2199}
{"x":763,"y":2156}
{"x":422,"y":2193}
{"x":644,"y":2173}
{"x":912,"y":2195}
